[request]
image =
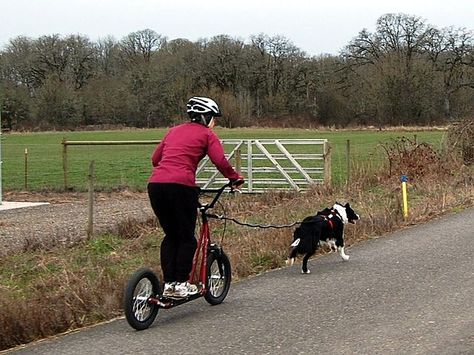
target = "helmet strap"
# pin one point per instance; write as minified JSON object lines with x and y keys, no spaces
{"x":211,"y":122}
{"x":202,"y":119}
{"x":206,"y":120}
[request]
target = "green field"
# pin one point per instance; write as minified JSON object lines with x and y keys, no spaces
{"x":129,"y":165}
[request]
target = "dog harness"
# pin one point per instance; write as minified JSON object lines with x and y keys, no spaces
{"x":330,"y":224}
{"x":328,"y":219}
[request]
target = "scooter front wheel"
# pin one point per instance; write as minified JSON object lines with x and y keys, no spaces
{"x":218,"y":277}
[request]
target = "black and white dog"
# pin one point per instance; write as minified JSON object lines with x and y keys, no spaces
{"x":326,"y":227}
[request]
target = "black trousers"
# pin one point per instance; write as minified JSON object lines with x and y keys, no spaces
{"x":175,"y":206}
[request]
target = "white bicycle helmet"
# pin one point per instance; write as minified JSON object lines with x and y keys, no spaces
{"x":203,"y":106}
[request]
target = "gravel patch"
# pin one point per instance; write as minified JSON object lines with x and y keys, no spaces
{"x":64,"y":220}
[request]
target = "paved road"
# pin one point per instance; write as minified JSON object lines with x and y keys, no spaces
{"x":408,"y":293}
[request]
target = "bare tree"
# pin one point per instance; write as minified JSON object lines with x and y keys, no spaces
{"x":141,"y":45}
{"x":81,"y":64}
{"x":395,"y":73}
{"x":108,"y":51}
{"x":451,"y":51}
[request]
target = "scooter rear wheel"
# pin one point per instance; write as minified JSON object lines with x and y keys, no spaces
{"x":139,"y":312}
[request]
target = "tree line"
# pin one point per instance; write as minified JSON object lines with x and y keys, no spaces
{"x":406,"y":72}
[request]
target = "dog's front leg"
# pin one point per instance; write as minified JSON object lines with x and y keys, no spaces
{"x":343,"y":255}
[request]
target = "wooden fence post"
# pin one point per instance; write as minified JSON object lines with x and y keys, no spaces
{"x":327,"y":163}
{"x":64,"y":143}
{"x":348,"y":160}
{"x":90,"y":204}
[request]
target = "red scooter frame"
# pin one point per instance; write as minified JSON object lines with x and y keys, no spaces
{"x":143,"y":294}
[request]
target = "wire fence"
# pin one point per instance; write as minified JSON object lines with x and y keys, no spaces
{"x":34,"y":166}
{"x":42,"y":167}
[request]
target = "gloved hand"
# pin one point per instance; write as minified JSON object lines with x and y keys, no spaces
{"x":236,"y":183}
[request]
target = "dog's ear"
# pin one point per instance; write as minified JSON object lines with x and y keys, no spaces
{"x":347,"y":205}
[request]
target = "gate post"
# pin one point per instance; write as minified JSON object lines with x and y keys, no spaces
{"x":90,"y":201}
{"x":327,"y":163}
{"x":238,"y":161}
{"x":249,"y":176}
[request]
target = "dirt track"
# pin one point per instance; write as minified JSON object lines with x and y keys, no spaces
{"x":64,"y":220}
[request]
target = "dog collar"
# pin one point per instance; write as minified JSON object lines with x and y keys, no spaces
{"x":337,"y":214}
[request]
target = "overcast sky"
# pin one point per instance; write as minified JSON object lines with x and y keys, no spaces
{"x":316,"y":27}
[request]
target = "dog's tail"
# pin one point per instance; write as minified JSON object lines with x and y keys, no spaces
{"x":293,"y":252}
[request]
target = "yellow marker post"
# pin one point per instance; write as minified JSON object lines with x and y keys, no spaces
{"x":404,"y":180}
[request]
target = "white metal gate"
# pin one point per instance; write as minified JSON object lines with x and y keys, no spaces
{"x":272,"y":164}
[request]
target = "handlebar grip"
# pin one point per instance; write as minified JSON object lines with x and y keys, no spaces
{"x":236,"y":182}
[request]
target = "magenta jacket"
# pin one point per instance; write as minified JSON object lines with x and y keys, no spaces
{"x":176,"y":158}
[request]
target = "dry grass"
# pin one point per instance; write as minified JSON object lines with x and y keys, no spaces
{"x":43,"y":293}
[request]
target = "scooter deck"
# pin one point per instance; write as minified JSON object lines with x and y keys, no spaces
{"x":168,"y":302}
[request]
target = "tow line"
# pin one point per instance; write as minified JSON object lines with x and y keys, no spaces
{"x":254,"y":225}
